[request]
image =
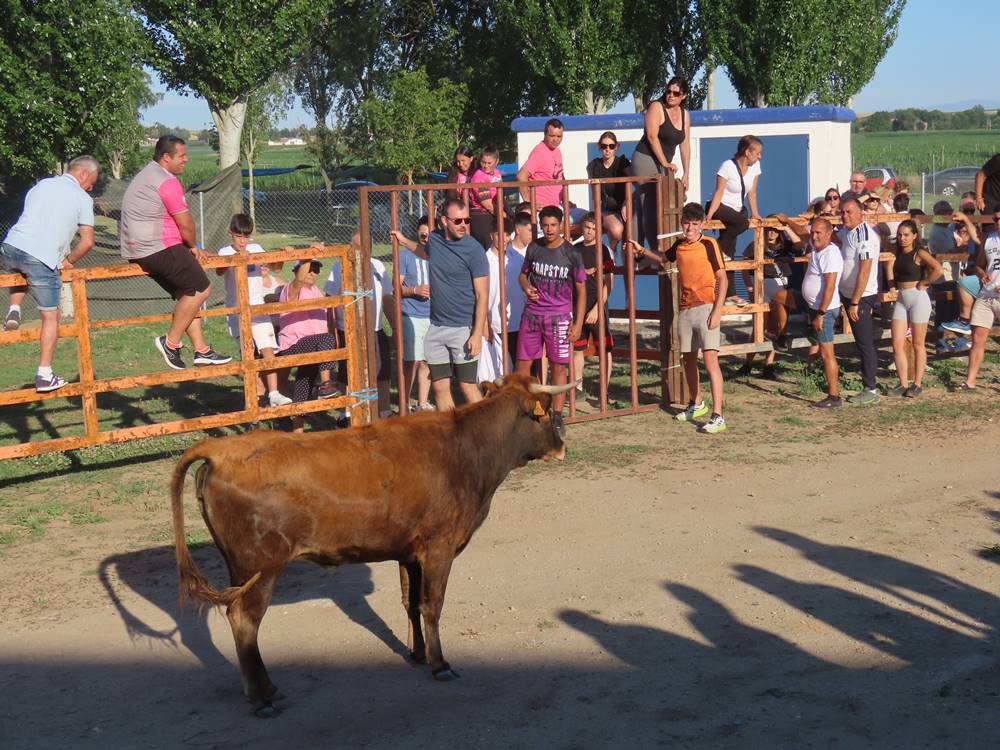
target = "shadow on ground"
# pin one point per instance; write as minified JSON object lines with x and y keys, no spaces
{"x":730,"y":680}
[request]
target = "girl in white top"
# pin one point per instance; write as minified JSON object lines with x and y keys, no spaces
{"x":491,"y":360}
{"x":736,"y":185}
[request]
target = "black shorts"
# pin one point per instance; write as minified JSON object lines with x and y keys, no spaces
{"x":176,"y":270}
{"x":591,"y":331}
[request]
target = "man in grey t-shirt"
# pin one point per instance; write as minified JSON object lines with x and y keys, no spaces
{"x":459,"y":280}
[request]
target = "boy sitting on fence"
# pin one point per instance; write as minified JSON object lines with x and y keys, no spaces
{"x":265,"y":343}
{"x":702,"y":280}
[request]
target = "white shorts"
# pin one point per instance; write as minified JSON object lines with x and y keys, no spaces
{"x":262,"y":329}
{"x":985,"y":312}
{"x":772,"y":287}
{"x":414,"y":333}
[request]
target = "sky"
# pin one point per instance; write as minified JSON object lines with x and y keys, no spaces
{"x":922,"y":69}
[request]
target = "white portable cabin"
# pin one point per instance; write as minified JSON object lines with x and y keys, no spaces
{"x":806,"y":149}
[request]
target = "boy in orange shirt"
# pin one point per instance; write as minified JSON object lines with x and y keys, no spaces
{"x":702,"y":279}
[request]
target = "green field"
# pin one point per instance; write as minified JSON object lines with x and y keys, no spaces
{"x":910,"y":153}
{"x":203,"y":163}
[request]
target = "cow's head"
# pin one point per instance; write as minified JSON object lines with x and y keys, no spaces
{"x":544,"y":433}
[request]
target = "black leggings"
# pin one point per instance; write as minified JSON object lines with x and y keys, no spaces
{"x":480,"y":226}
{"x":307,"y":376}
{"x":736,"y":223}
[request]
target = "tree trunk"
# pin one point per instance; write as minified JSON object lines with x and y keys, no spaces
{"x":229,"y":122}
{"x":595,"y":105}
{"x":758,"y":100}
{"x":115,"y":161}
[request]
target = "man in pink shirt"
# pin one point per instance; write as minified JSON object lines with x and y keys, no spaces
{"x":157,"y":234}
{"x":545,"y":162}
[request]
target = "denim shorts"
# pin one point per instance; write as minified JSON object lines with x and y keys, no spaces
{"x":43,"y":282}
{"x":825,"y":335}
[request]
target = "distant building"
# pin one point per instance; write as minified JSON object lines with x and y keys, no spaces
{"x":287,"y":142}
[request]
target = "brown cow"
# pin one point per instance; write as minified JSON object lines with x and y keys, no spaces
{"x":412,"y":490}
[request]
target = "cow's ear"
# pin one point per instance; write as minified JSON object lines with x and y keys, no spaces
{"x":539,"y":410}
{"x":489,"y":388}
{"x":537,"y":405}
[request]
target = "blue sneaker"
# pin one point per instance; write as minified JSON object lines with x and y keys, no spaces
{"x":961,"y":344}
{"x":957,"y":326}
{"x":943,"y":346}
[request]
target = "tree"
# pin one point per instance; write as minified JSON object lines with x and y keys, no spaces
{"x":679,"y":47}
{"x":418,"y":123}
{"x":60,"y":90}
{"x":224,"y":51}
{"x":119,"y":146}
{"x":786,"y":52}
{"x":579,"y":45}
{"x":265,"y":108}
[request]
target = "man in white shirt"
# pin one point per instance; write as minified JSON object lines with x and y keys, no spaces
{"x":55,"y":210}
{"x":860,"y":247}
{"x":822,"y":297}
{"x":986,"y":309}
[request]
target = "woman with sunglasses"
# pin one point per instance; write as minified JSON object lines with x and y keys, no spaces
{"x":833,"y":198}
{"x":667,"y":126}
{"x":305,"y":332}
{"x":611,"y":164}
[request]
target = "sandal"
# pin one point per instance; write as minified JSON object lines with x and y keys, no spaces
{"x":963,"y":387}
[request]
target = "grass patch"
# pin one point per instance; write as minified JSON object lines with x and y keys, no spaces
{"x":85,"y":516}
{"x":991,"y":550}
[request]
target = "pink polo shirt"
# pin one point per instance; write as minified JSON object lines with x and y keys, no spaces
{"x":302,"y":323}
{"x":545,"y":163}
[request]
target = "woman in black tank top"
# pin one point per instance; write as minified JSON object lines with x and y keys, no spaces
{"x":655,"y":152}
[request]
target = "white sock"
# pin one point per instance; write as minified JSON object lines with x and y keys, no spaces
{"x":14,"y":308}
{"x":45,"y":372}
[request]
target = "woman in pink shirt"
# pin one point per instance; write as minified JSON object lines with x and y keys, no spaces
{"x":462,"y":166}
{"x":304,"y":332}
{"x":481,"y":199}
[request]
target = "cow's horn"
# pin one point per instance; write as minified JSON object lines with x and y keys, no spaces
{"x":552,"y":390}
{"x":498,"y":382}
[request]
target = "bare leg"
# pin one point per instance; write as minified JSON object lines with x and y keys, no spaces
{"x":49,"y":336}
{"x":830,"y":369}
{"x":423,"y":382}
{"x":184,"y":319}
{"x":899,"y":350}
{"x":442,"y":394}
{"x":690,"y":360}
{"x":17,"y":294}
{"x":614,"y":229}
{"x":979,"y":337}
{"x":409,"y":374}
{"x":410,"y":578}
{"x":714,"y":377}
{"x":558,"y":378}
{"x":919,"y":332}
{"x":470,"y":392}
{"x":965,"y":299}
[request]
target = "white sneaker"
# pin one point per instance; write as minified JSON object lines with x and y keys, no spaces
{"x":692,"y":412}
{"x":426,"y":406}
{"x":278,"y":399}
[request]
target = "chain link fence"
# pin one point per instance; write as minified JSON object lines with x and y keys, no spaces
{"x":283,"y":217}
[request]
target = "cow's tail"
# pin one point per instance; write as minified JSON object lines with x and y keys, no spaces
{"x":193,"y":585}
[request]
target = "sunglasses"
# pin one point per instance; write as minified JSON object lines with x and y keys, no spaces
{"x":675,"y":92}
{"x":611,"y":146}
{"x":459,"y":220}
{"x":833,"y":197}
{"x":314,"y":266}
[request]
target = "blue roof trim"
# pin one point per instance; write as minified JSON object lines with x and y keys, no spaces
{"x":699,"y":117}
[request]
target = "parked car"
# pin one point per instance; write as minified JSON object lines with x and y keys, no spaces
{"x":952,"y":181}
{"x":876,"y":177}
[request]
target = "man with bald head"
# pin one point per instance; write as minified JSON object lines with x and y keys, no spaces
{"x":820,"y":290}
{"x":56,"y":209}
{"x":857,"y":188}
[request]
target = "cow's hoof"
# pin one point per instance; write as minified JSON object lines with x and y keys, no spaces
{"x":417,"y":659}
{"x":445,"y":674}
{"x":267,"y":711}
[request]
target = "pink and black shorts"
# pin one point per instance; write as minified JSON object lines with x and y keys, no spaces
{"x":548,"y":331}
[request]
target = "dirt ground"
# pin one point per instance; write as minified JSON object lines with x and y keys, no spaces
{"x":803,"y":580}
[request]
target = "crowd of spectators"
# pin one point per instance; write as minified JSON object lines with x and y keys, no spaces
{"x":450,"y":274}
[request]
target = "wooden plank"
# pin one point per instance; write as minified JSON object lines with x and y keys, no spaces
{"x":85,"y":357}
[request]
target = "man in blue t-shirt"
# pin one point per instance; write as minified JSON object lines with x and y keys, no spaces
{"x":459,"y":281}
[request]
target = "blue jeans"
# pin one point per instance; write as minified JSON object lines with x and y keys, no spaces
{"x":43,"y":282}
{"x":825,"y":334}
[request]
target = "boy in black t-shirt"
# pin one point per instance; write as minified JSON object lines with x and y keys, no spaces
{"x":587,"y":246}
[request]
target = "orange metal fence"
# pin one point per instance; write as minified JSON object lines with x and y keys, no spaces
{"x":353,"y":350}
